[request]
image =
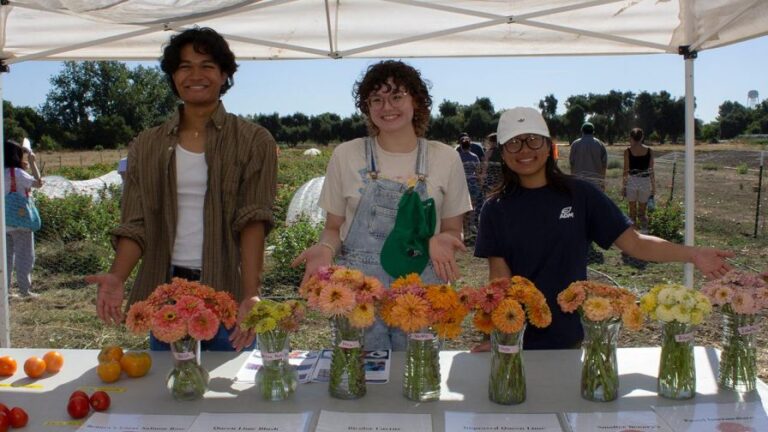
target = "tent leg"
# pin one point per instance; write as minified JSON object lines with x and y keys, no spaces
{"x":5,"y":328}
{"x":690,"y":158}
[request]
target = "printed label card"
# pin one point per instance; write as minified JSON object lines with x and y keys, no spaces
{"x":137,"y":423}
{"x":482,"y":422}
{"x":622,"y":421}
{"x":710,"y":417}
{"x":332,"y":421}
{"x":247,"y":422}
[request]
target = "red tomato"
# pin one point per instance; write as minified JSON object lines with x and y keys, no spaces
{"x":78,"y":407}
{"x":100,"y":400}
{"x":4,"y":422}
{"x":18,"y":417}
{"x":78,"y":393}
{"x":4,"y":409}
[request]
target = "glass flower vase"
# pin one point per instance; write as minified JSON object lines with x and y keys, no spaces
{"x":599,"y":371}
{"x":188,"y":380}
{"x":347,"y":375}
{"x":677,"y":369}
{"x":506,"y":383}
{"x":276,"y":379}
{"x":421,"y":375}
{"x":738,"y":359}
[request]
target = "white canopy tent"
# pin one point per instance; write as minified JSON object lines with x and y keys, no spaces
{"x":291,"y":29}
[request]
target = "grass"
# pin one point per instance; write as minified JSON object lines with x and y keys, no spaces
{"x":64,"y":315}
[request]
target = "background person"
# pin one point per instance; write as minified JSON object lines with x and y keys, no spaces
{"x":588,"y":157}
{"x":367,"y":177}
{"x":474,"y":147}
{"x":639,"y":183}
{"x":539,"y":223}
{"x":471,"y":172}
{"x":199,"y":190}
{"x":20,"y":242}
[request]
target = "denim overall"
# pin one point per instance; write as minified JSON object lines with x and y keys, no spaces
{"x":371,"y":225}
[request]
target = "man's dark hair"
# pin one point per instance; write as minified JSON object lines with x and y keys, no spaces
{"x":204,"y":40}
{"x":403,"y":75}
{"x":588,"y":128}
{"x":13,"y":153}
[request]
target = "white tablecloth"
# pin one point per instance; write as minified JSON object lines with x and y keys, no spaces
{"x":552,"y":382}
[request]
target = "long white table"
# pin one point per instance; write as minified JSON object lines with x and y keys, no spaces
{"x":552,"y":382}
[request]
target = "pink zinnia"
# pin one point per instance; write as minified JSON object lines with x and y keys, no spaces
{"x":722,"y":295}
{"x":336,"y":299}
{"x":488,"y":297}
{"x":139,"y":317}
{"x":203,"y":325}
{"x":743,"y":303}
{"x":189,"y":306}
{"x":167,"y":324}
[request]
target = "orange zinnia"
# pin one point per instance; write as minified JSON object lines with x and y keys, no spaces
{"x":509,"y":316}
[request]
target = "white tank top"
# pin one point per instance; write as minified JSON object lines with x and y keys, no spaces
{"x":191,"y":185}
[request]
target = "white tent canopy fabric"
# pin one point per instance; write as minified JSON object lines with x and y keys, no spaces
{"x":292,"y":29}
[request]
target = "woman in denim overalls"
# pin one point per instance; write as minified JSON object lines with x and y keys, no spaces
{"x":396,"y":103}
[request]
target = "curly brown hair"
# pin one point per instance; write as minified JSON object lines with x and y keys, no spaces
{"x":403,"y":75}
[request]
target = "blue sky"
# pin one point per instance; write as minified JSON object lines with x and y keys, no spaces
{"x":316,"y":86}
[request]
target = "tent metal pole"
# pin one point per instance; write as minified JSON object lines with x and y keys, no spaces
{"x":5,"y":322}
{"x":690,"y":158}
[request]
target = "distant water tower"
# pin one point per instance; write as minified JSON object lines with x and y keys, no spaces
{"x":752,"y":98}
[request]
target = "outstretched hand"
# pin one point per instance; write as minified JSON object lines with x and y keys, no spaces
{"x":712,"y":262}
{"x":242,"y":338}
{"x":442,"y":251}
{"x":313,"y":257}
{"x":109,"y":297}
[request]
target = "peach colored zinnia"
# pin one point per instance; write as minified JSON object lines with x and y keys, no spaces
{"x":336,"y":299}
{"x":203,"y":325}
{"x":598,"y":308}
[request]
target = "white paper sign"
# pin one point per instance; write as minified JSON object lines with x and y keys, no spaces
{"x":622,"y":421}
{"x":735,"y":417}
{"x":331,"y":421}
{"x":303,"y":361}
{"x":481,"y":422}
{"x":376,"y":365}
{"x":243,"y":422}
{"x":137,"y":422}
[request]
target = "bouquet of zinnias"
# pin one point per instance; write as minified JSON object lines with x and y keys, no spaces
{"x":348,"y":298}
{"x":412,"y":306}
{"x":600,"y":302}
{"x":182,"y":309}
{"x":341,"y":291}
{"x":273,"y":321}
{"x":679,"y":309}
{"x":738,"y":292}
{"x":500,"y":310}
{"x":674,"y":302}
{"x":742,"y":297}
{"x":602,"y":309}
{"x":504,"y":303}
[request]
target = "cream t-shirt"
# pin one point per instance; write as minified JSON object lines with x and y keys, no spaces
{"x":347,"y":169}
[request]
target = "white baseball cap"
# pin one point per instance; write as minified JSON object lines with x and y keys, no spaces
{"x":518,"y":121}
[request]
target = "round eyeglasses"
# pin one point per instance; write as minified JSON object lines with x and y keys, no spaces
{"x":396,"y":99}
{"x":534,"y":142}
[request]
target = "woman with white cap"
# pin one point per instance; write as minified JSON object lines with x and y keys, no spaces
{"x":539,"y":222}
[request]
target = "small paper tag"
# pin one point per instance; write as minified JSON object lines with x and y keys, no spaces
{"x":421,"y":336}
{"x":684,"y":337}
{"x":181,"y":356}
{"x":745,"y":330}
{"x":509,"y":349}
{"x":346,"y":344}
{"x":272,"y":356}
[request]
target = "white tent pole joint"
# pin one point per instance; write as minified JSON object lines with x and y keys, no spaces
{"x":690,"y":156}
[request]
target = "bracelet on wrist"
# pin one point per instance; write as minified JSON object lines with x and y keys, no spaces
{"x":329,"y":246}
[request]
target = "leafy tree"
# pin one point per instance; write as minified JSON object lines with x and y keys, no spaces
{"x":548,"y":106}
{"x":85,"y":91}
{"x":645,"y":112}
{"x":448,"y":108}
{"x":734,"y":118}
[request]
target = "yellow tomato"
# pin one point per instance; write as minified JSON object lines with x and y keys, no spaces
{"x":109,"y":371}
{"x":136,"y":364}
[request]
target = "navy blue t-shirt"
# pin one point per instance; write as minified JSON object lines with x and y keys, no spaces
{"x":544,"y":235}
